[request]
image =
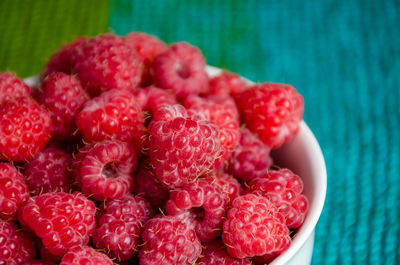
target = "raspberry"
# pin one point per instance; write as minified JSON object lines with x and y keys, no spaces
{"x":61,"y":220}
{"x":181,"y":148}
{"x":223,"y":113}
{"x":272,"y":111}
{"x":148,"y":47}
{"x":105,"y":169}
{"x":214,"y":253}
{"x":112,"y":115}
{"x":85,"y":255}
{"x":208,"y":207}
{"x":181,"y":69}
{"x":24,"y":129}
{"x":16,"y":247}
{"x":226,"y":84}
{"x":148,"y":186}
{"x":64,"y":59}
{"x":13,"y":191}
{"x":251,"y":158}
{"x":169,"y":240}
{"x":12,"y":87}
{"x":254,"y":227}
{"x":283,"y":188}
{"x":106,"y":62}
{"x":63,"y":96}
{"x":40,"y":262}
{"x":49,"y":171}
{"x":226,"y":183}
{"x":120,"y":226}
{"x":151,"y":98}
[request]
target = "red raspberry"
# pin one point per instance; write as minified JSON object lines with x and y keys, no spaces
{"x":61,"y":220}
{"x":106,"y":62}
{"x":254,"y":227}
{"x":24,"y":129}
{"x":207,"y":203}
{"x":251,"y":158}
{"x":181,"y":69}
{"x":63,"y":96}
{"x":169,"y":240}
{"x":284,"y":189}
{"x":40,"y":262}
{"x":214,"y":253}
{"x":120,"y":226}
{"x":152,"y":97}
{"x":148,"y":186}
{"x":273,"y":111}
{"x":112,"y":115}
{"x":105,"y":169}
{"x":16,"y":247}
{"x":226,"y":183}
{"x":13,"y":191}
{"x":223,"y":113}
{"x":148,"y":47}
{"x":64,"y":59}
{"x":181,"y":148}
{"x":85,"y":255}
{"x":49,"y":171}
{"x":226,"y":84}
{"x":12,"y":87}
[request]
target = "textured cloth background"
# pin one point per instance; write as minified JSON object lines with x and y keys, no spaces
{"x":342,"y":55}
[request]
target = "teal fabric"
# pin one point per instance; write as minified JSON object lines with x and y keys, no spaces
{"x":344,"y":57}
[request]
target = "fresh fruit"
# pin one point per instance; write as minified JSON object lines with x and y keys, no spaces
{"x":12,"y":87}
{"x":24,"y":129}
{"x":169,"y":240}
{"x":181,"y":148}
{"x":254,"y":227}
{"x":214,"y":253}
{"x":226,"y":84}
{"x":181,"y":69}
{"x":120,"y":226}
{"x":16,"y":247}
{"x":151,"y":98}
{"x":63,"y":96}
{"x":49,"y":171}
{"x":272,"y":111}
{"x":60,"y":219}
{"x":227,"y":184}
{"x":85,"y":255}
{"x":284,"y":189}
{"x":13,"y":191}
{"x":105,"y":170}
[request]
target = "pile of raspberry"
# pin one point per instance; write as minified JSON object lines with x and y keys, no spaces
{"x":128,"y":152}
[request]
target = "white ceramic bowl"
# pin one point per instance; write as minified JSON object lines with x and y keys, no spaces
{"x":304,"y":157}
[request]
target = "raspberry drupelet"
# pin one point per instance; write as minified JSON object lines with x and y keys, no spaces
{"x":12,"y":87}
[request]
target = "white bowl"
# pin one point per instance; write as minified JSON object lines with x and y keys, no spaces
{"x":304,"y":157}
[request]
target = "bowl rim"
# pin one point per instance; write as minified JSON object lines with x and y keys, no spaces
{"x":315,"y":211}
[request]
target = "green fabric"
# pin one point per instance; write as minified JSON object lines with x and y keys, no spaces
{"x":32,"y":30}
{"x":344,"y":57}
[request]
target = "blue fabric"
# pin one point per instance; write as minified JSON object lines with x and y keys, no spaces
{"x":344,"y":57}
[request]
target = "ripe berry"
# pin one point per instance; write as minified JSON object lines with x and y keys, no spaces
{"x":13,"y":191}
{"x":12,"y":87}
{"x":114,"y":115}
{"x":206,"y":203}
{"x":16,"y":247}
{"x":181,"y":69}
{"x":151,"y":98}
{"x":61,"y":220}
{"x":254,"y":227}
{"x":49,"y":171}
{"x":284,"y":189}
{"x":105,"y":170}
{"x":85,"y":255}
{"x":226,"y":84}
{"x":214,"y":253}
{"x":272,"y":111}
{"x":181,"y":148}
{"x":106,"y":62}
{"x":63,"y":96}
{"x":24,"y":129}
{"x":169,"y":240}
{"x":40,"y":262}
{"x":251,"y":157}
{"x":227,"y":184}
